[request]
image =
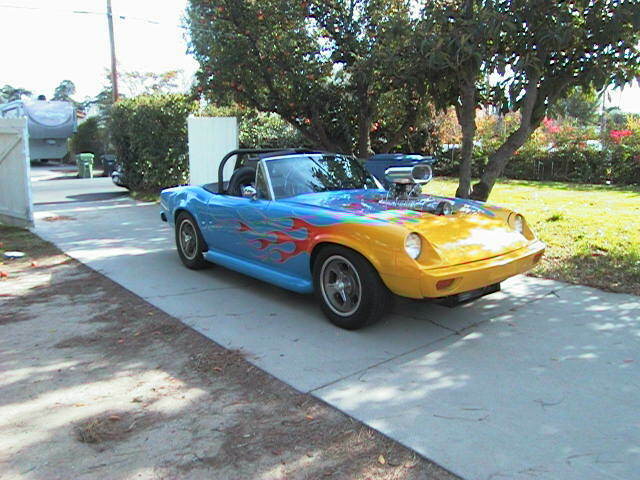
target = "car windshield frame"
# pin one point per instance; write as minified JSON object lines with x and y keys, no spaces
{"x":315,"y":157}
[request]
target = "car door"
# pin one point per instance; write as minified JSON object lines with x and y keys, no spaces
{"x":237,"y":225}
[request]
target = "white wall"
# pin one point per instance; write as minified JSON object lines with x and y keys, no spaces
{"x":210,"y":139}
{"x":16,"y":207}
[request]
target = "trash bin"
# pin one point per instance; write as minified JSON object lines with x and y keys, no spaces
{"x":85,"y":165}
{"x":108,"y":164}
{"x":377,"y":164}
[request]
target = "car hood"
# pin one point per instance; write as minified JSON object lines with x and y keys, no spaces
{"x":475,"y":231}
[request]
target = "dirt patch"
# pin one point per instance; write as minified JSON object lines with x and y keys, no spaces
{"x":97,"y":382}
{"x":57,"y":218}
{"x":216,"y":361}
{"x":112,"y":426}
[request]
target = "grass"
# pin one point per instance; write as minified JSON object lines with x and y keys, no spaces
{"x":592,"y":232}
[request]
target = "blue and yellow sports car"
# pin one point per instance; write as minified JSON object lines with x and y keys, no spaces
{"x":320,"y":222}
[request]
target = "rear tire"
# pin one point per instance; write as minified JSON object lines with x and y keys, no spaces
{"x":189,"y":242}
{"x":349,"y":289}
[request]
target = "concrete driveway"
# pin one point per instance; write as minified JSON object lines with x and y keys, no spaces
{"x":541,"y":380}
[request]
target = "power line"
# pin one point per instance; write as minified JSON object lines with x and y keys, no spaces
{"x":193,"y":28}
{"x":88,"y":12}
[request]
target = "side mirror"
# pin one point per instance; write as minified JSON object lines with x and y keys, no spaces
{"x":249,"y":192}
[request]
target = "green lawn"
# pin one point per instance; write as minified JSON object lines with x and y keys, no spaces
{"x":592,"y":232}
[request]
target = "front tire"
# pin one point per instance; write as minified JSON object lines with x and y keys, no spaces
{"x":349,"y":289}
{"x":189,"y":242}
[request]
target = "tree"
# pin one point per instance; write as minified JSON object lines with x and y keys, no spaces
{"x":535,"y":53}
{"x":9,"y":93}
{"x":150,"y":83}
{"x":324,"y":67}
{"x":457,"y":41}
{"x":64,"y":91}
{"x":580,"y":104}
{"x":550,"y":47}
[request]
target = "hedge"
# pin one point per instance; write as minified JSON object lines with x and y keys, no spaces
{"x":149,"y":134}
{"x":618,"y":165}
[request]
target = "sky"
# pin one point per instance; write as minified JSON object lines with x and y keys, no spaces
{"x":50,"y":43}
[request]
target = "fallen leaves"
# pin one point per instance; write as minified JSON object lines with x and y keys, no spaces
{"x":57,"y":218}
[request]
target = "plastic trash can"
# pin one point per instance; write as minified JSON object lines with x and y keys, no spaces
{"x":85,"y":165}
{"x":108,"y":164}
{"x":377,"y":164}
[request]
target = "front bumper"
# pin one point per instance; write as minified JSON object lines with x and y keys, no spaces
{"x":466,"y":276}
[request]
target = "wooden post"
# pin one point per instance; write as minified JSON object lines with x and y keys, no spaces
{"x":114,"y":71}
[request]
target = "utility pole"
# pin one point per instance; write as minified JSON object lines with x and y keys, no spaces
{"x":114,"y":71}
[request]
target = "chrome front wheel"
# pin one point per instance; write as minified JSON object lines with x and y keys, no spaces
{"x":348,"y":287}
{"x":341,"y":286}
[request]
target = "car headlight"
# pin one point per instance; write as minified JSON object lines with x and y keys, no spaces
{"x":413,"y":245}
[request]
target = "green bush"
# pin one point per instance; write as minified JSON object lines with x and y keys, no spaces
{"x":150,"y":137}
{"x":571,"y":164}
{"x":625,"y":164}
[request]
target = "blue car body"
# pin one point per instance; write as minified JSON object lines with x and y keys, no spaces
{"x":242,"y":234}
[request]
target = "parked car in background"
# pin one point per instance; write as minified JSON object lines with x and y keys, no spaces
{"x":118,"y":176}
{"x":319,"y":222}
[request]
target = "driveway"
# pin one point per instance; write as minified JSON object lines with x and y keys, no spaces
{"x":541,"y":380}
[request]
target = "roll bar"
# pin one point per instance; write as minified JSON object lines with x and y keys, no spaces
{"x":257,"y":151}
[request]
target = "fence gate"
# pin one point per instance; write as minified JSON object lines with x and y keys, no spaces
{"x":16,"y":207}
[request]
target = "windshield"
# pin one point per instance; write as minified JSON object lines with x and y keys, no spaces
{"x":297,"y":175}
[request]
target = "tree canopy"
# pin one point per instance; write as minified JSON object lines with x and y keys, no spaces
{"x":64,"y":91}
{"x":9,"y":93}
{"x":357,"y":75}
{"x":328,"y":68}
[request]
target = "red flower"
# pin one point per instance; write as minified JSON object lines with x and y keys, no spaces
{"x":617,"y":135}
{"x":551,"y":126}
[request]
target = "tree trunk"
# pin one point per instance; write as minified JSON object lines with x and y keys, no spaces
{"x":530,"y":118}
{"x":364,"y":134}
{"x":365,"y":120}
{"x":466,"y":114}
{"x":498,"y":160}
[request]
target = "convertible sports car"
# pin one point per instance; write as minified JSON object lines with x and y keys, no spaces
{"x":319,"y":222}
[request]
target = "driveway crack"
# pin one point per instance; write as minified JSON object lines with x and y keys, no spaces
{"x":361,"y":372}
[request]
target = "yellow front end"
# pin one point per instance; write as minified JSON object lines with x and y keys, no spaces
{"x":462,"y":252}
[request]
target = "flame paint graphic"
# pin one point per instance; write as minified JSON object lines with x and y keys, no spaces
{"x":273,"y":238}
